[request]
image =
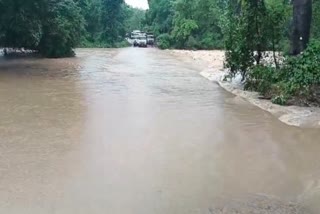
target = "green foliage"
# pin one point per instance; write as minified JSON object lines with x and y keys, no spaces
{"x":122,"y":44}
{"x":55,"y":27}
{"x":113,"y":21}
{"x":135,"y":19}
{"x":61,"y":30}
{"x":211,"y":41}
{"x":191,"y":43}
{"x":280,"y":100}
{"x":191,"y":24}
{"x":277,"y":24}
{"x":303,"y":70}
{"x":20,"y":23}
{"x":107,"y":22}
{"x":251,"y":29}
{"x":183,"y":30}
{"x":51,"y":27}
{"x":257,"y":29}
{"x":296,"y":82}
{"x":160,"y":16}
{"x":261,"y":79}
{"x":91,"y":11}
{"x":315,"y":29}
{"x":164,"y":41}
{"x":239,"y":55}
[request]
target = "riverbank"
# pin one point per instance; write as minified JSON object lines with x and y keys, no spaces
{"x":307,"y":117}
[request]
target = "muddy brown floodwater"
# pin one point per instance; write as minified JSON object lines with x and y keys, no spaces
{"x":138,"y":131}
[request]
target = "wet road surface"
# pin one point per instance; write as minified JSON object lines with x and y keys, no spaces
{"x":139,"y":131}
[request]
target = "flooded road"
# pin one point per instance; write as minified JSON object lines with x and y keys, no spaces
{"x":138,"y":131}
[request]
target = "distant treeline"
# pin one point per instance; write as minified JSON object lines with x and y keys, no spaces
{"x":55,"y":27}
{"x":202,"y":24}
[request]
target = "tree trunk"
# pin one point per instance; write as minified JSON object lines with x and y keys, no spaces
{"x":302,"y":16}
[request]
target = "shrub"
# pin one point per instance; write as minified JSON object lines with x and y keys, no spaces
{"x":302,"y":74}
{"x":304,"y":70}
{"x":211,"y":41}
{"x":183,"y":30}
{"x":280,"y":100}
{"x":296,"y":82}
{"x":164,"y":41}
{"x":191,"y":43}
{"x":261,"y":79}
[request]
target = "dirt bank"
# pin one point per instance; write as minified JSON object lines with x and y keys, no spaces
{"x":291,"y":115}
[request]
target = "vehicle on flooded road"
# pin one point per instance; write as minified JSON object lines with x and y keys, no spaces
{"x":150,"y":39}
{"x":141,"y":39}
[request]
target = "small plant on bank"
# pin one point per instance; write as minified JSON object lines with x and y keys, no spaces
{"x":261,"y":79}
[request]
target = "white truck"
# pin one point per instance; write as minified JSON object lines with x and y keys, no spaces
{"x":140,"y":40}
{"x":150,"y":39}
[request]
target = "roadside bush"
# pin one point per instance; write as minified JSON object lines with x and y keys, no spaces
{"x":304,"y":70}
{"x":164,"y":41}
{"x":191,"y":43}
{"x":261,"y":79}
{"x":297,"y":81}
{"x":211,"y":41}
{"x":303,"y":74}
{"x":183,"y":31}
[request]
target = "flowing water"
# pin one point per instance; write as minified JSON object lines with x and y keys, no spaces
{"x":139,"y":131}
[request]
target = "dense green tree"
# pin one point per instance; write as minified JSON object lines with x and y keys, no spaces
{"x":51,"y":26}
{"x":184,"y":23}
{"x":160,"y":16}
{"x":61,"y":29}
{"x":189,"y":24}
{"x":91,"y":12}
{"x":112,"y":20}
{"x":20,"y":23}
{"x":208,"y":15}
{"x":55,"y":27}
{"x":108,"y":21}
{"x":135,"y":18}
